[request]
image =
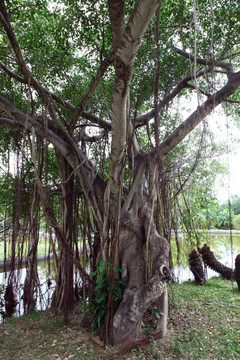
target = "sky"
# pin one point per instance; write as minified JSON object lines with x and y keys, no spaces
{"x":217,"y":121}
{"x":229,"y":184}
{"x":232,"y":180}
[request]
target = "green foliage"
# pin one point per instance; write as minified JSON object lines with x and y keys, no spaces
{"x":6,"y":196}
{"x":236,"y":222}
{"x":235,"y":204}
{"x":97,"y":304}
{"x":221,"y":215}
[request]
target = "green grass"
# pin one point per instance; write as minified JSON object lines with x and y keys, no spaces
{"x":204,"y":323}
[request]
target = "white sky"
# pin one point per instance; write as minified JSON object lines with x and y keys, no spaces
{"x":217,"y":121}
{"x":229,"y":184}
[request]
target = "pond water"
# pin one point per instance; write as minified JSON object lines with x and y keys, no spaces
{"x":45,"y":290}
{"x":224,"y":248}
{"x":220,"y":244}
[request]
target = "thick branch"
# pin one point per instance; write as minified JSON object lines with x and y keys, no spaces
{"x":5,"y":21}
{"x":144,"y":118}
{"x":80,"y":107}
{"x":76,"y":159}
{"x":96,"y":120}
{"x":27,"y":121}
{"x":43,"y":93}
{"x":11,"y":123}
{"x":222,"y":64}
{"x":86,"y":115}
{"x":125,"y":57}
{"x":197,"y":116}
{"x":192,"y":87}
{"x":116,"y":12}
{"x":4,"y":18}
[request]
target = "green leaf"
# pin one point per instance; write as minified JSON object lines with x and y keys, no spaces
{"x":100,"y":285}
{"x":100,"y":277}
{"x":100,"y":265}
{"x":93,"y":273}
{"x":101,"y":298}
{"x":117,"y":269}
{"x":158,"y":313}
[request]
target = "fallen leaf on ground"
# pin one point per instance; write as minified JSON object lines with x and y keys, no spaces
{"x":97,"y":340}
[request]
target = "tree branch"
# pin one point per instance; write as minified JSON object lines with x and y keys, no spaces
{"x":94,"y":119}
{"x":144,"y":118}
{"x":30,"y":80}
{"x":125,"y":56}
{"x":197,"y":116}
{"x":116,"y":12}
{"x":87,"y":173}
{"x":192,"y":87}
{"x":5,"y":21}
{"x":27,"y":121}
{"x":222,"y":64}
{"x":81,"y":105}
{"x":11,"y":123}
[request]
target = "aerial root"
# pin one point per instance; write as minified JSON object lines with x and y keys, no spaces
{"x":210,"y":260}
{"x":237,"y":270}
{"x":196,"y":267}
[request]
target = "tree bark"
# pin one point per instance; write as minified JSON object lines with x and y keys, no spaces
{"x":64,"y":296}
{"x":128,"y":318}
{"x":142,"y":271}
{"x":30,"y":283}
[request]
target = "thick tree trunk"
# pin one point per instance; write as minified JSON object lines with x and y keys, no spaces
{"x":143,"y":268}
{"x":136,"y":301}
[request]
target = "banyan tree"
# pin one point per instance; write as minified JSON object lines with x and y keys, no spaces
{"x":101,"y":85}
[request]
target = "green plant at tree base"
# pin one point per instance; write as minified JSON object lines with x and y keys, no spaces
{"x":97,"y":303}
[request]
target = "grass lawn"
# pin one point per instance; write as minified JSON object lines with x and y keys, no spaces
{"x":204,"y":323}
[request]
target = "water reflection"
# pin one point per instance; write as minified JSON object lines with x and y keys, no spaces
{"x":44,"y":290}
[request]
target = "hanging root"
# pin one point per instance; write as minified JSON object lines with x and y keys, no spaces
{"x":10,"y":302}
{"x":29,"y":302}
{"x":196,"y":267}
{"x":210,"y":260}
{"x":237,"y":270}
